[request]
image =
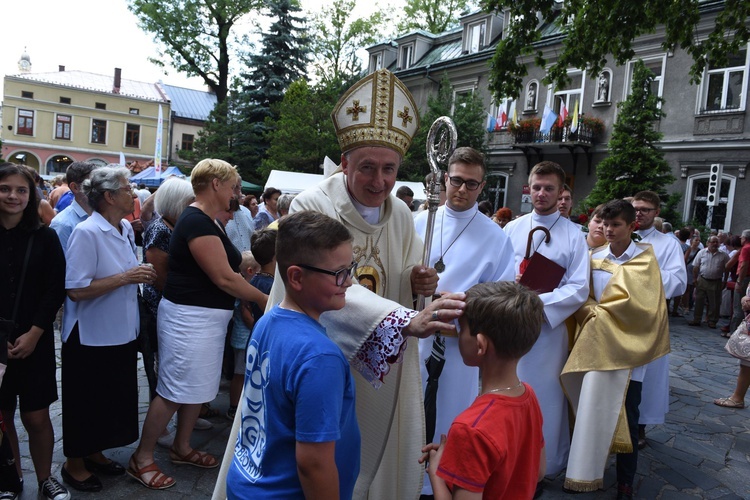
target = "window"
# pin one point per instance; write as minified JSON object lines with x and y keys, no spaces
{"x":99,"y":131}
{"x":62,"y":127}
{"x":64,"y":100}
{"x":475,"y":41}
{"x":26,"y":94}
{"x":697,"y":193}
{"x":407,"y":52}
{"x":531,"y":96}
{"x":100,"y":105}
{"x":725,"y":89}
{"x":571,"y":94}
{"x":132,"y":136}
{"x":134,"y":111}
{"x":25,"y":122}
{"x":376,"y":61}
{"x":187,"y":142}
{"x":656,"y":64}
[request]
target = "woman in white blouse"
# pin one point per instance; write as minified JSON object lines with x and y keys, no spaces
{"x":100,"y":327}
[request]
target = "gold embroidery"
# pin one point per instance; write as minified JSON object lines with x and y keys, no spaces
{"x":355,"y":110}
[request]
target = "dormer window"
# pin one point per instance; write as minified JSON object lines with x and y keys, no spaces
{"x":376,"y":62}
{"x":407,"y":55}
{"x":476,"y":41}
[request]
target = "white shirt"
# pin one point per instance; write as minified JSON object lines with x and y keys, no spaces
{"x":97,"y":250}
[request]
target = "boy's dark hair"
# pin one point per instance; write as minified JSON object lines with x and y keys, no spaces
{"x":507,"y":313}
{"x":684,"y":234}
{"x":648,"y":197}
{"x":618,"y":208}
{"x":263,"y":244}
{"x":467,"y":155}
{"x":302,"y":236}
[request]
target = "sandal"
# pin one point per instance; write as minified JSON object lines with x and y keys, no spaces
{"x":195,"y":458}
{"x":208,"y":412}
{"x":728,"y":402}
{"x":158,"y":481}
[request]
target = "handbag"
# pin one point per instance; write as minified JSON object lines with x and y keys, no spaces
{"x":738,"y":344}
{"x":8,"y":327}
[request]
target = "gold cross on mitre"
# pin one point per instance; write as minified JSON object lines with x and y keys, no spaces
{"x":356,"y":110}
{"x":405,"y":116}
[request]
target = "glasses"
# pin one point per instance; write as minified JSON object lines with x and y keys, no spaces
{"x":471,"y":185}
{"x":644,"y":211}
{"x":127,"y":189}
{"x":341,"y":275}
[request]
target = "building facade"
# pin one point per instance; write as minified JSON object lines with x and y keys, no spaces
{"x":704,"y":124}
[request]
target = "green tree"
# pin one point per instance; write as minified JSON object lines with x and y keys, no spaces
{"x":337,"y":36}
{"x":634,"y":162}
{"x":434,"y":16}
{"x":303,"y":135}
{"x":595,"y":29}
{"x":468,"y":115}
{"x":196,"y":37}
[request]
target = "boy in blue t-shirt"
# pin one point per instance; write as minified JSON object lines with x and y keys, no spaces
{"x":299,"y":435}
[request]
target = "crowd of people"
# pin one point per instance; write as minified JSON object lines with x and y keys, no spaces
{"x":340,"y":386}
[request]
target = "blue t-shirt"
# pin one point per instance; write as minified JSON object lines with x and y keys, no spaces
{"x":298,"y":387}
{"x":240,"y":331}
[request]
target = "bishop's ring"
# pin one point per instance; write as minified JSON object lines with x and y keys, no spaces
{"x":435,"y":316}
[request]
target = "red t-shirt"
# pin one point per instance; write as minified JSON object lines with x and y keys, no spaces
{"x":744,"y":255}
{"x":494,"y":447}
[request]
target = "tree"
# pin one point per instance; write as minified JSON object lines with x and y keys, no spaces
{"x":634,"y":162}
{"x":337,"y":36}
{"x":195,"y":36}
{"x":434,"y":16}
{"x":303,"y":135}
{"x":594,"y":29}
{"x":468,"y":115}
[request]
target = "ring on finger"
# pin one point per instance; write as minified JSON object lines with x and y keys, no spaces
{"x":435,"y":316}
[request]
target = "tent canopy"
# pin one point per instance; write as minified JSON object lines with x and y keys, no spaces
{"x":149,"y":178}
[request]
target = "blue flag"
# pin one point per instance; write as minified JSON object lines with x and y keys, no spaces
{"x":491,"y":122}
{"x":548,"y":119}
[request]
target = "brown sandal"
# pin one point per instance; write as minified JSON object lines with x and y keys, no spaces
{"x":195,"y":458}
{"x":159,"y":481}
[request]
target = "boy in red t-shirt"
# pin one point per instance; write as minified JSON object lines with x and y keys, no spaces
{"x":495,"y":448}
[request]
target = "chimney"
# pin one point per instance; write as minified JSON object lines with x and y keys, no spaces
{"x":118,"y":78}
{"x":60,"y":68}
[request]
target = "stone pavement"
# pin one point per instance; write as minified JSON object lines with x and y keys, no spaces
{"x":702,"y":451}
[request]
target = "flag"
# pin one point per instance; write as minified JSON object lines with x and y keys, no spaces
{"x":512,"y":113}
{"x":491,"y":122}
{"x":122,"y":159}
{"x":548,"y":119}
{"x":503,"y":121}
{"x":563,"y":115}
{"x":574,"y":121}
{"x":157,"y":149}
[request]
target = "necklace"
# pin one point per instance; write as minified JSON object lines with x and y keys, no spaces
{"x":267,"y":275}
{"x":440,"y":265}
{"x":506,"y":388}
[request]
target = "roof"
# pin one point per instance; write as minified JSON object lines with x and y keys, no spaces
{"x":189,"y":103}
{"x":100,"y":83}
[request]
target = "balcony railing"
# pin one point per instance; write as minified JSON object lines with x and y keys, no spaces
{"x":585,"y":135}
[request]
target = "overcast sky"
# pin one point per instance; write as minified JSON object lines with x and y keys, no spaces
{"x":94,"y":36}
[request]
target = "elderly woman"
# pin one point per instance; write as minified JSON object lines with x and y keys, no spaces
{"x":31,"y":292}
{"x":100,"y":329}
{"x":268,"y":212}
{"x":194,"y":312}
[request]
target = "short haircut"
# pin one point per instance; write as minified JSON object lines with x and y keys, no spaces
{"x":666,"y":227}
{"x":649,"y":197}
{"x":102,"y":180}
{"x":428,"y":179}
{"x":263,"y":244}
{"x":597,"y":212}
{"x":746,"y":234}
{"x":684,"y":234}
{"x":248,"y":199}
{"x":303,"y":236}
{"x":469,"y":156}
{"x":548,"y":168}
{"x":404,"y":191}
{"x":79,"y":171}
{"x":269,"y":192}
{"x":209,"y":169}
{"x":567,"y":188}
{"x":618,"y":208}
{"x":504,"y":213}
{"x":172,"y":197}
{"x":507,"y":313}
{"x":284,"y":202}
{"x":485,"y":207}
{"x":30,"y":218}
{"x":248,"y":260}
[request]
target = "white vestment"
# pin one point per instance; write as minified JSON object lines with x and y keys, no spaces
{"x":655,"y":391}
{"x":542,"y":366}
{"x":482,"y":253}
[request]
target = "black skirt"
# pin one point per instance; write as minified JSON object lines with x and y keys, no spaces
{"x":99,"y":396}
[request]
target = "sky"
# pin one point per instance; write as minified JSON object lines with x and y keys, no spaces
{"x":94,"y":36}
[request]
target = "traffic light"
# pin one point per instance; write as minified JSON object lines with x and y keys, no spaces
{"x":714,"y":184}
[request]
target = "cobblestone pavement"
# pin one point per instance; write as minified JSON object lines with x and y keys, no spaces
{"x":702,"y":451}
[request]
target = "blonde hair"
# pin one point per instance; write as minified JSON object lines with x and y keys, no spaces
{"x":248,"y":261}
{"x":209,"y":169}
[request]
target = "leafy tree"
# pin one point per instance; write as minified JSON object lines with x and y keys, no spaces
{"x":468,"y":115}
{"x":634,"y":162}
{"x":196,"y":37}
{"x":595,"y":29}
{"x":303,"y":135}
{"x":434,"y":16}
{"x":337,"y":36}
